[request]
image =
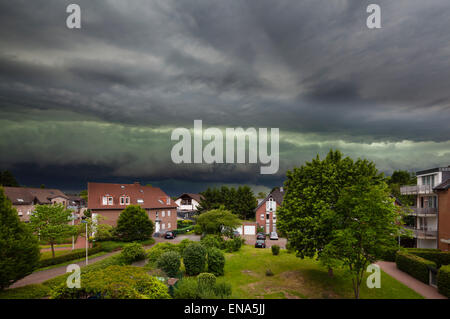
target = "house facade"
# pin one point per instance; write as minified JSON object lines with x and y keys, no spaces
{"x":266,"y":211}
{"x":25,"y":199}
{"x":443,"y":192}
{"x":430,"y":206}
{"x":188,"y":204}
{"x":109,"y":200}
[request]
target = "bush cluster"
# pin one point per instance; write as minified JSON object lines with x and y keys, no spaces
{"x":156,"y":251}
{"x":389,"y":254}
{"x":194,"y":258}
{"x":416,"y":266}
{"x":184,"y":223}
{"x":210,"y":241}
{"x":234,"y":244}
{"x":204,"y":287}
{"x":170,"y":263}
{"x":114,"y":282}
{"x":216,"y":261}
{"x":184,"y":230}
{"x":132,"y":252}
{"x":443,"y":280}
{"x":439,"y":257}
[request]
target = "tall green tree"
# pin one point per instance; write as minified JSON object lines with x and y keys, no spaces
{"x":19,"y":248}
{"x":8,"y":179}
{"x":218,"y":221}
{"x":313,"y":190}
{"x":400,"y":178}
{"x":51,"y":224}
{"x":134,"y":224}
{"x":367,"y":223}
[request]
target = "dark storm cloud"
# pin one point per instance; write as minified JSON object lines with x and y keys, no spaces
{"x":311,"y":68}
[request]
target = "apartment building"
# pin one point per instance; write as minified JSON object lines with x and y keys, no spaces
{"x":25,"y":199}
{"x":109,"y":200}
{"x":427,"y":209}
{"x":266,"y":211}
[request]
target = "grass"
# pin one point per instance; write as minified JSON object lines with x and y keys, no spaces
{"x":48,"y":254}
{"x":27,"y":292}
{"x":115,"y":245}
{"x":296,"y":278}
{"x":55,"y":246}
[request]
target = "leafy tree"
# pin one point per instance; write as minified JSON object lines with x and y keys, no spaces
{"x":216,"y":261}
{"x":132,"y":252}
{"x":8,"y":179}
{"x":134,"y":224}
{"x":240,"y":201}
{"x":218,"y":221}
{"x":312,"y":193}
{"x":84,"y":194}
{"x":400,"y":178}
{"x":19,"y":248}
{"x":51,"y":223}
{"x":367,"y":222}
{"x":42,"y":186}
{"x":261,"y":195}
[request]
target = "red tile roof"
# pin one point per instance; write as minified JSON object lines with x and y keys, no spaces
{"x":26,"y":195}
{"x":153,"y":197}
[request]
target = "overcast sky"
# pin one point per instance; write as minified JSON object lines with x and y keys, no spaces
{"x":100,"y":103}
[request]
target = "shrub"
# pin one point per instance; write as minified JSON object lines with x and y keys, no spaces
{"x":206,"y":281}
{"x":133,"y":224}
{"x":132,"y":252}
{"x":210,"y":241}
{"x":443,"y":280}
{"x":275,"y":250}
{"x":222,"y":290}
{"x":269,"y":272}
{"x":234,"y":244}
{"x":156,"y":251}
{"x":194,"y":258}
{"x":170,"y":263}
{"x":115,"y":282}
{"x":77,"y":254}
{"x":389,"y":254}
{"x":414,"y":265}
{"x":104,"y":232}
{"x":216,"y":261}
{"x":183,"y":244}
{"x":184,"y":230}
{"x":198,"y":230}
{"x":184,"y":223}
{"x":439,"y":257}
{"x":186,"y":288}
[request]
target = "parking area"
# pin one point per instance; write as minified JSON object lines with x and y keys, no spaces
{"x":251,"y":240}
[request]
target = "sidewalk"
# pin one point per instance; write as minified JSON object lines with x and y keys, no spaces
{"x":425,"y":290}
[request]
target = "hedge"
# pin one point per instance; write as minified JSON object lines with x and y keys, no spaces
{"x":70,"y":256}
{"x":389,"y":254}
{"x":435,"y":255}
{"x":443,"y":280}
{"x":184,"y":230}
{"x":416,"y":266}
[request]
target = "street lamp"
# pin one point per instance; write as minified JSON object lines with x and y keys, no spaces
{"x":84,"y":221}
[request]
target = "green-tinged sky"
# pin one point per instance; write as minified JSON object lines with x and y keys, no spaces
{"x":99,"y":103}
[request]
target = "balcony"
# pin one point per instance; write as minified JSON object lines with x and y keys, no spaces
{"x":416,"y":189}
{"x":423,"y":212}
{"x":423,"y":233}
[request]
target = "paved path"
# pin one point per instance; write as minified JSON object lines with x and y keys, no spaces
{"x":425,"y":290}
{"x":44,"y":275}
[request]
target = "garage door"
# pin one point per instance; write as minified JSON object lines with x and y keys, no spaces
{"x":249,"y":230}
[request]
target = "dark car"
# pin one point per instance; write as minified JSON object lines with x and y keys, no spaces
{"x":260,"y":243}
{"x":170,"y":235}
{"x":260,"y":236}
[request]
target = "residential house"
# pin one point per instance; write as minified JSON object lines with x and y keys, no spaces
{"x":109,"y":200}
{"x":266,"y":211}
{"x":443,"y":192}
{"x":25,"y":199}
{"x":188,"y":204}
{"x":431,"y":208}
{"x":77,"y":204}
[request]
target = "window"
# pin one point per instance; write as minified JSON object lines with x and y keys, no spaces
{"x":20,"y":213}
{"x":168,"y":201}
{"x":163,"y":226}
{"x":122,"y":200}
{"x":125,"y":200}
{"x":268,"y":215}
{"x":163,"y":213}
{"x":140,"y":201}
{"x":168,"y":225}
{"x":110,"y":200}
{"x":20,"y":200}
{"x":107,"y":200}
{"x":168,"y":214}
{"x":262,"y":216}
{"x":157,"y":214}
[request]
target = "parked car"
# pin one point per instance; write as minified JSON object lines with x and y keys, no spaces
{"x":170,"y":235}
{"x":273,"y":236}
{"x":260,"y":236}
{"x":260,"y":243}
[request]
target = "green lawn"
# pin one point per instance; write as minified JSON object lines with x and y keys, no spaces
{"x":298,"y":278}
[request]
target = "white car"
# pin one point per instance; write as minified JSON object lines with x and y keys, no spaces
{"x":273,"y":236}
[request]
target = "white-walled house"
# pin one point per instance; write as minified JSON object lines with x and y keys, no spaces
{"x":188,"y":204}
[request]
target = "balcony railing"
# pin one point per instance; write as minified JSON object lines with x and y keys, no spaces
{"x":425,"y":211}
{"x":416,"y":189}
{"x":423,"y":233}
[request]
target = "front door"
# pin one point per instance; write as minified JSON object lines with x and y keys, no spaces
{"x":157,"y":227}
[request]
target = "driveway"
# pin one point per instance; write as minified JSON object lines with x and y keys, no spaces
{"x":251,"y":240}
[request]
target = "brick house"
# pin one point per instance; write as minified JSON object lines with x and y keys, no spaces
{"x":25,"y":199}
{"x":443,"y":193}
{"x":109,"y":200}
{"x":266,"y":210}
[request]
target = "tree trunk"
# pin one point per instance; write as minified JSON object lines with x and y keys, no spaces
{"x":53,"y":250}
{"x":330,"y":272}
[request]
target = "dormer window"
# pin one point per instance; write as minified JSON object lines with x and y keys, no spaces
{"x":107,"y":200}
{"x":20,"y":200}
{"x":140,"y":201}
{"x":124,"y":200}
{"x":168,"y":201}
